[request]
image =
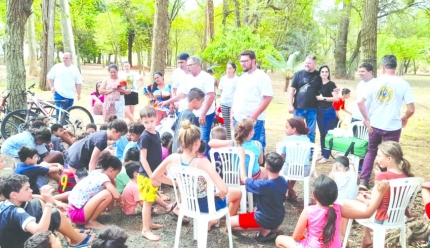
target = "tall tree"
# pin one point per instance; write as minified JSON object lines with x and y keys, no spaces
{"x":67,"y":31}
{"x":160,"y":37}
{"x":209,"y":23}
{"x":48,"y":20}
{"x":341,"y":41}
{"x":33,"y":67}
{"x":17,"y":12}
{"x":237,"y":13}
{"x":369,"y":32}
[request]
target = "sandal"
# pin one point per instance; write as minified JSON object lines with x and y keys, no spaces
{"x":185,"y":220}
{"x":84,"y":242}
{"x":172,"y":207}
{"x":268,"y":238}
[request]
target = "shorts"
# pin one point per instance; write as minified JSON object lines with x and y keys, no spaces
{"x":34,"y":208}
{"x":219,"y":204}
{"x":248,"y":221}
{"x":131,"y":99}
{"x":76,"y":215}
{"x":147,"y":192}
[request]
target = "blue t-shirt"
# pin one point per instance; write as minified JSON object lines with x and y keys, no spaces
{"x":270,"y":201}
{"x":253,"y":147}
{"x":32,"y":172}
{"x":130,"y":145}
{"x":12,"y":144}
{"x":120,"y":146}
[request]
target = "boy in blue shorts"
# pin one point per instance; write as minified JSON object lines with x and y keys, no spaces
{"x":270,"y":202}
{"x":150,"y":156}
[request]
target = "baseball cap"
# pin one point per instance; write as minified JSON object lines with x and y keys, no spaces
{"x":183,"y":56}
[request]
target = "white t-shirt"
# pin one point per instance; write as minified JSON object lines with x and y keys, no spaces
{"x":179,"y":78}
{"x":87,"y":188}
{"x":228,"y":87}
{"x":385,"y":102}
{"x":134,"y":77}
{"x":250,"y":90}
{"x":346,"y":184}
{"x":65,"y":79}
{"x":362,"y":89}
{"x":206,"y":83}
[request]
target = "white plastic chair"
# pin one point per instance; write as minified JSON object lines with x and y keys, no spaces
{"x":187,"y":180}
{"x":297,"y":155}
{"x":402,"y":193}
{"x":231,"y":171}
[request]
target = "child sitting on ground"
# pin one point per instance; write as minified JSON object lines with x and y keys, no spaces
{"x":271,"y":192}
{"x":110,"y":237}
{"x":243,"y":134}
{"x":166,"y":144}
{"x":340,"y":104}
{"x":91,"y":128}
{"x":44,"y":239}
{"x":96,"y":192}
{"x":28,"y":167}
{"x":135,"y":130}
{"x":295,"y":130}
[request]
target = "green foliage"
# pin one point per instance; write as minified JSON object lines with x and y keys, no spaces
{"x":286,"y":67}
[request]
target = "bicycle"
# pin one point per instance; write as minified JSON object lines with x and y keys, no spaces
{"x":75,"y":117}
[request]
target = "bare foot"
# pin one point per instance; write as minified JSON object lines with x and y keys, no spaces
{"x":150,"y":236}
{"x":164,"y":197}
{"x":94,"y":224}
{"x":155,"y":226}
{"x":213,"y":223}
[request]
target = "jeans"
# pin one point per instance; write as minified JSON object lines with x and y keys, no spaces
{"x":206,"y":130}
{"x":68,"y":104}
{"x":259,"y":132}
{"x":375,"y":138}
{"x":326,"y":120}
{"x":310,"y":115}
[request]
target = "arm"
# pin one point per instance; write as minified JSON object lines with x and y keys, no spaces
{"x":216,"y":143}
{"x":209,"y":100}
{"x":263,"y":105}
{"x":93,"y":160}
{"x":410,"y":110}
{"x":103,"y":89}
{"x":111,"y":188}
{"x":51,"y":85}
{"x":43,"y":225}
{"x":78,"y":90}
{"x":179,"y":96}
{"x":159,"y":174}
{"x":290,"y":98}
{"x":242,"y":170}
{"x":363,"y":111}
{"x":125,"y":91}
{"x":301,"y":226}
{"x":261,"y":158}
{"x":145,"y":164}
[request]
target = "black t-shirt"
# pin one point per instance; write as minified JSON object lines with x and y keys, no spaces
{"x":79,"y":154}
{"x":152,"y":143}
{"x":307,"y":85}
{"x":326,"y":90}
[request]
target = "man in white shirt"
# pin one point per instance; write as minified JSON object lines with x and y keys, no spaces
{"x":365,"y":71}
{"x":381,"y":108}
{"x":204,"y":81}
{"x":179,"y":77}
{"x":253,"y":95}
{"x":65,"y":81}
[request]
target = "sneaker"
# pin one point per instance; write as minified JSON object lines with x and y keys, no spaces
{"x":363,"y":185}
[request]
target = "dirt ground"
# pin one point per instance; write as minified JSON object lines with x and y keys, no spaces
{"x":415,"y":141}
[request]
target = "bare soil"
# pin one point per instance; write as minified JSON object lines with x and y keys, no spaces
{"x":415,"y":141}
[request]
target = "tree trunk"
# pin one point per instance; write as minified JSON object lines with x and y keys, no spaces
{"x":237,"y":12}
{"x":353,"y":60}
{"x":131,"y":35}
{"x":342,"y":40}
{"x":225,"y":12}
{"x":17,"y":12}
{"x":67,"y":31}
{"x":48,"y":49}
{"x":246,"y":13}
{"x":369,"y":30}
{"x":33,"y":66}
{"x":160,"y":37}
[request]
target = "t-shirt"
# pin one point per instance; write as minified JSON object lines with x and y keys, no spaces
{"x":270,"y":202}
{"x":326,"y":91}
{"x":251,"y":88}
{"x":101,"y":97}
{"x":130,"y":198}
{"x":56,"y":142}
{"x":252,"y":146}
{"x":180,"y":78}
{"x":13,"y":221}
{"x":152,"y":143}
{"x":132,"y":77}
{"x":65,"y":79}
{"x":339,"y":104}
{"x":205,"y":82}
{"x":87,"y":188}
{"x":12,"y":144}
{"x":228,"y":87}
{"x":159,"y":95}
{"x":381,"y":211}
{"x":32,"y":172}
{"x":79,"y":154}
{"x":346,"y":185}
{"x":184,"y":115}
{"x":121,"y":180}
{"x":385,"y":102}
{"x":307,"y":85}
{"x":120,"y":146}
{"x":362,"y":89}
{"x":130,"y":145}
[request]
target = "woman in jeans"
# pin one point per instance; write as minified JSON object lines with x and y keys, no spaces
{"x":326,"y":115}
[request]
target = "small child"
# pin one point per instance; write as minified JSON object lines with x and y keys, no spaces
{"x":91,"y":128}
{"x":166,"y":143}
{"x":218,"y":133}
{"x":110,"y":237}
{"x":135,"y":130}
{"x":340,"y":104}
{"x":44,"y":239}
{"x":28,"y":167}
{"x":201,"y":150}
{"x":95,"y":193}
{"x":271,"y":192}
{"x":65,"y":135}
{"x":97,"y":100}
{"x":120,"y":145}
{"x":195,"y":100}
{"x":57,"y":131}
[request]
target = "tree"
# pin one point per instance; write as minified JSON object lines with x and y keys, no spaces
{"x":66,"y":29}
{"x":369,"y":32}
{"x":160,"y":37}
{"x":48,"y":19}
{"x":341,"y":42}
{"x":17,"y":12}
{"x":33,"y":66}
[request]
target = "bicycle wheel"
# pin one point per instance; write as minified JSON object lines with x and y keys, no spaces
{"x":77,"y":118}
{"x":15,"y":122}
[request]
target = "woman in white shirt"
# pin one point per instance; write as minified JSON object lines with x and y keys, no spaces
{"x":227,"y":87}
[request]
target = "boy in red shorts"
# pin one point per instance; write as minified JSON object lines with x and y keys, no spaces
{"x":270,"y":201}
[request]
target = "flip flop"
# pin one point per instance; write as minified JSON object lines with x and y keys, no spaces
{"x":268,"y":238}
{"x":185,"y":220}
{"x":84,"y":242}
{"x":172,"y":207}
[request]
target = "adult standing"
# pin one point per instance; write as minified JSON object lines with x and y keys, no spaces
{"x":227,"y":88}
{"x":204,"y":81}
{"x":157,"y":92}
{"x":326,"y":115}
{"x":302,"y":94}
{"x":65,"y":81}
{"x":114,"y":92}
{"x":381,"y":107}
{"x":253,"y":95}
{"x":179,"y":77}
{"x":365,"y":71}
{"x":135,"y":82}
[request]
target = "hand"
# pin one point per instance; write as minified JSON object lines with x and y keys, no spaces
{"x":51,"y":146}
{"x":367,"y":124}
{"x":253,"y":117}
{"x":337,"y":90}
{"x":291,"y":109}
{"x":155,"y":183}
{"x":53,"y":90}
{"x":320,"y":98}
{"x":162,"y":104}
{"x":404,"y":121}
{"x":202,"y":119}
{"x":382,"y":186}
{"x":46,"y":192}
{"x":61,"y":206}
{"x":172,"y":109}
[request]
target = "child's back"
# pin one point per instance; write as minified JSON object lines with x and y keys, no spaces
{"x":130,"y":198}
{"x":346,"y":182}
{"x":32,"y":172}
{"x":87,"y":188}
{"x":184,"y":115}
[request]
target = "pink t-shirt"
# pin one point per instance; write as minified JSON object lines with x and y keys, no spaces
{"x":101,"y":97}
{"x":317,"y":218}
{"x":130,"y":198}
{"x":164,"y":152}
